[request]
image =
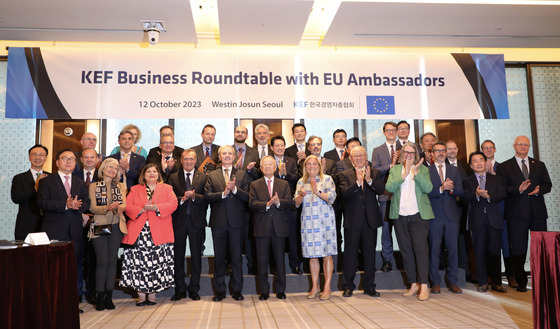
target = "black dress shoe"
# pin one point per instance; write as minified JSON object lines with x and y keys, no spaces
{"x":483,"y":288}
{"x":80,"y":311}
{"x":219,"y":297}
{"x":150,"y":303}
{"x":194,"y":295}
{"x":142,"y":303}
{"x":521,"y":288}
{"x":264,"y":296}
{"x":371,"y":293}
{"x":387,"y":267}
{"x":92,"y":300}
{"x":297,"y":270}
{"x":280,"y":295}
{"x":347,"y":292}
{"x":237,"y":295}
{"x":179,"y":296}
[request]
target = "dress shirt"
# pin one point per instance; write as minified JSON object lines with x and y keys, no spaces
{"x":224,"y":174}
{"x":185,"y":178}
{"x":271,"y":187}
{"x":85,"y":175}
{"x":261,"y":149}
{"x":35,"y":172}
{"x":521,"y":165}
{"x":340,"y":153}
{"x":300,"y":147}
{"x":444,"y":171}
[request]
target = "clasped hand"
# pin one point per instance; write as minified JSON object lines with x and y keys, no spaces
{"x":73,"y":203}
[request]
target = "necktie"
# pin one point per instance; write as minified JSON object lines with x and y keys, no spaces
{"x":268,"y":182}
{"x":188,"y":184}
{"x":524,"y":169}
{"x":454,"y":164}
{"x":262,"y":152}
{"x":67,"y":184}
{"x":37,"y":176}
{"x":482,"y":183}
{"x":88,"y":178}
{"x":226,"y":175}
{"x":167,"y":157}
{"x":207,"y":152}
{"x":341,"y":154}
{"x":392,"y":152}
{"x":440,"y":171}
{"x":125,"y":156}
{"x":300,"y":147}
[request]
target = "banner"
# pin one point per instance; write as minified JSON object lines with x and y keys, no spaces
{"x":65,"y":83}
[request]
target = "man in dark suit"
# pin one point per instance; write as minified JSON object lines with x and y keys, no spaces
{"x":131,"y":163}
{"x":489,"y":149}
{"x":346,"y":163}
{"x":155,"y":152}
{"x":403,"y":130}
{"x":88,"y":174}
{"x":245,"y":157}
{"x":270,"y":199}
{"x":315,"y":146}
{"x":526,"y":181}
{"x":167,"y":158}
{"x":383,"y":158}
{"x":360,"y":187}
{"x":299,"y":150}
{"x":262,"y":135}
{"x":88,"y":140}
{"x":427,"y":141}
{"x":227,"y":192}
{"x":484,"y":193}
{"x":64,"y":198}
{"x":447,"y":186}
{"x":189,"y":220}
{"x":207,"y":149}
{"x":287,"y":169}
{"x":339,"y":140}
{"x":24,"y":193}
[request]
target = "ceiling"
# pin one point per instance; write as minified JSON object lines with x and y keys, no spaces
{"x":524,"y":24}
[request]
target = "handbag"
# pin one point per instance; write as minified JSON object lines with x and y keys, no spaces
{"x":102,"y":229}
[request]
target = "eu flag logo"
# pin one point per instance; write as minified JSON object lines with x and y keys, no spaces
{"x":380,"y":104}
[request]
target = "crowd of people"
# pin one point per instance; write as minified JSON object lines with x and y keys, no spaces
{"x":270,"y":199}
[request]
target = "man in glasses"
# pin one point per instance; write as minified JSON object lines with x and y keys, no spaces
{"x":64,"y":198}
{"x":24,"y":193}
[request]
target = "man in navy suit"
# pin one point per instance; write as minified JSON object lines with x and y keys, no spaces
{"x":207,"y":149}
{"x":270,"y":198}
{"x":287,"y":169}
{"x":445,"y":225}
{"x":299,"y":150}
{"x":189,"y":220}
{"x":346,"y":163}
{"x":227,"y":192}
{"x":24,"y":193}
{"x":384,"y":157}
{"x":131,"y":163}
{"x":527,"y":181}
{"x":484,"y":193}
{"x":339,"y":140}
{"x":64,"y":198}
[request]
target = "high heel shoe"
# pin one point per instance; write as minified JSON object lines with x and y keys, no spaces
{"x":424,"y":293}
{"x":312,"y":295}
{"x":325,"y":296}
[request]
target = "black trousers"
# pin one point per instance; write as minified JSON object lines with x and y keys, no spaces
{"x":412,"y":236}
{"x":228,"y":241}
{"x":366,"y":238}
{"x":263,"y":246}
{"x":196,"y":236}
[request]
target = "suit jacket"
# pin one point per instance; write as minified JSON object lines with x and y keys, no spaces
{"x":201,"y":154}
{"x":521,"y":205}
{"x":100,"y":214}
{"x":250,"y":155}
{"x":136,"y":163}
{"x":480,"y":207}
{"x":80,"y":175}
{"x":464,"y":168}
{"x":423,"y":186}
{"x":155,"y":157}
{"x":343,"y":165}
{"x":333,"y":155}
{"x":198,"y":207}
{"x":381,"y":160}
{"x":293,"y":150}
{"x":275,"y":216}
{"x":231,"y":209}
{"x":29,"y":218}
{"x":291,"y":173}
{"x":361,"y":204}
{"x":444,"y":205}
{"x":59,"y":223}
{"x":161,"y":226}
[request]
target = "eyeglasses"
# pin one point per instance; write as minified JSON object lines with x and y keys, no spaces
{"x":67,"y":159}
{"x":38,"y":155}
{"x":359,"y":155}
{"x":404,"y":129}
{"x":391,"y":130}
{"x":409,"y":153}
{"x":438,"y":151}
{"x":167,"y":143}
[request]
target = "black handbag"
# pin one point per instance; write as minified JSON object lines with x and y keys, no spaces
{"x":102,"y":229}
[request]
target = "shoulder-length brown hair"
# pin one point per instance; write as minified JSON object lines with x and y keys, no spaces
{"x":141,"y":179}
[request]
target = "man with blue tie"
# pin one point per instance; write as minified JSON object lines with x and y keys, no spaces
{"x":447,"y":186}
{"x":299,"y":150}
{"x":131,"y":163}
{"x":527,"y":181}
{"x":484,"y":193}
{"x":207,"y":151}
{"x":339,"y":140}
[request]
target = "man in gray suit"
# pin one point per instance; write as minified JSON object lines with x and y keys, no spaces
{"x":384,"y":157}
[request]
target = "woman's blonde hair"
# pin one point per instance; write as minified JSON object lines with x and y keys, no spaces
{"x":104,"y":164}
{"x":416,"y":154}
{"x":305,"y":177}
{"x":129,"y":127}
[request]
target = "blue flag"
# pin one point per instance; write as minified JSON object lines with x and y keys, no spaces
{"x":380,"y":104}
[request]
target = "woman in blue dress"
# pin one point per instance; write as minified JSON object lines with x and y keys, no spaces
{"x":315,"y":193}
